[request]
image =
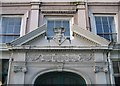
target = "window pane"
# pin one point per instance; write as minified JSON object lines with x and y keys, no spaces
{"x":17,"y":21}
{"x":4,"y":70}
{"x":67,"y":28}
{"x":115,"y":67}
{"x":58,"y":24}
{"x":9,"y":29}
{"x":105,"y":26}
{"x":50,"y":26}
{"x":4,"y":25}
{"x":117,"y":81}
{"x":10,"y":21}
{"x":98,"y":20}
{"x":99,"y":29}
{"x":111,"y":20}
{"x":1,"y":30}
{"x":10,"y":25}
{"x":104,"y":20}
{"x":98,"y":25}
{"x":1,"y":39}
{"x":9,"y":39}
{"x":112,"y":24}
{"x":17,"y":29}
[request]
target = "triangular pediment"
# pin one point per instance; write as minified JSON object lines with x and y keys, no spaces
{"x":81,"y":38}
{"x":30,"y":36}
{"x":90,"y":36}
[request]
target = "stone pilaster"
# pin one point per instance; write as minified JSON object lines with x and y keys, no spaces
{"x":100,"y":68}
{"x":81,"y":16}
{"x":18,"y":68}
{"x":34,"y":15}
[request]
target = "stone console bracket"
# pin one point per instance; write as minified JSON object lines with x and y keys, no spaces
{"x":100,"y":69}
{"x":19,"y":69}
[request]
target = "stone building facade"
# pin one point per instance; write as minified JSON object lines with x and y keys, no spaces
{"x":52,"y":42}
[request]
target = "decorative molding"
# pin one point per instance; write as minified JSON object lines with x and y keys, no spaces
{"x":20,"y":69}
{"x":60,"y":57}
{"x":90,"y":36}
{"x":59,"y":11}
{"x":100,"y":69}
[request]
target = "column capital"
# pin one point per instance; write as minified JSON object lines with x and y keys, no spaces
{"x":35,"y":5}
{"x":81,"y":7}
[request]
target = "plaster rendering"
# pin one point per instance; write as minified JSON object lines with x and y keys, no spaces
{"x":60,"y":37}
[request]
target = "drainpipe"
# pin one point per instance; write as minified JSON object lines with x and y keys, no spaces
{"x":9,"y":70}
{"x":110,"y":69}
{"x":87,"y":16}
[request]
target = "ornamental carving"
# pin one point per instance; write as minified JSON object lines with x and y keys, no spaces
{"x":59,"y":35}
{"x":100,"y":69}
{"x":20,"y":69}
{"x":60,"y":58}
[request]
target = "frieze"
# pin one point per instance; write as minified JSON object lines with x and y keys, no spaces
{"x":60,"y":57}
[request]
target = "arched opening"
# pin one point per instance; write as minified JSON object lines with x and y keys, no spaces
{"x":59,"y":78}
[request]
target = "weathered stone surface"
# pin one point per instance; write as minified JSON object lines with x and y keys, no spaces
{"x":54,"y":57}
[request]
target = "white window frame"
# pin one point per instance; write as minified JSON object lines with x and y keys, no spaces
{"x":24,"y":24}
{"x":12,"y":16}
{"x":70,"y":19}
{"x":93,"y":24}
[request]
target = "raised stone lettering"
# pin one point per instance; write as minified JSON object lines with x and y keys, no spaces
{"x":60,"y":57}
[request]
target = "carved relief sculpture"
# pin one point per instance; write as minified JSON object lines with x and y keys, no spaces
{"x":61,"y":58}
{"x":20,"y":69}
{"x":100,"y":69}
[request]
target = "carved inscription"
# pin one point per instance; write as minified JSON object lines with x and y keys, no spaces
{"x":61,"y":58}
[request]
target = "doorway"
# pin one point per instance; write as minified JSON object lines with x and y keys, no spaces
{"x":60,"y":79}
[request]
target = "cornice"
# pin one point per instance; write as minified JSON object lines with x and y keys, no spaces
{"x":33,"y":47}
{"x":90,"y":36}
{"x":59,"y":11}
{"x":3,"y":47}
{"x":9,"y":4}
{"x":58,"y":4}
{"x":75,"y":34}
{"x":104,"y":3}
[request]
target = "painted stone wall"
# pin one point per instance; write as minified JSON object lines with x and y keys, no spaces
{"x":32,"y":63}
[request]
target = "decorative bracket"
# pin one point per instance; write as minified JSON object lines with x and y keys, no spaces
{"x":100,"y":69}
{"x":20,"y":69}
{"x":60,"y":66}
